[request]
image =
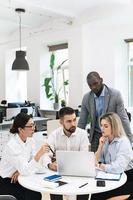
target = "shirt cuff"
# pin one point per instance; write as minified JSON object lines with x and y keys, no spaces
{"x":46,"y":161}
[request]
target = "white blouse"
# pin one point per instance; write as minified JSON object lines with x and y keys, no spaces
{"x":18,"y":155}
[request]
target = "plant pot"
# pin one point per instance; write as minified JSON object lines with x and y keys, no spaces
{"x":56,"y":106}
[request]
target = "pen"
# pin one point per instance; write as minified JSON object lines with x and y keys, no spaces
{"x":83,"y":185}
{"x":51,"y":149}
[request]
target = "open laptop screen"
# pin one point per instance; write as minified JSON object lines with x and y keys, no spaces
{"x":76,"y":163}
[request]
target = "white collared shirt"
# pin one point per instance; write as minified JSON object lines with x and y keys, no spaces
{"x":18,"y":155}
{"x":57,"y":140}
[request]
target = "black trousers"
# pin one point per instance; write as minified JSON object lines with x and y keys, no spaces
{"x":18,"y":191}
{"x":95,"y":141}
{"x":60,"y":197}
{"x":125,"y":189}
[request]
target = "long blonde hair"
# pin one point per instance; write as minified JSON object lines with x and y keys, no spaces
{"x":115,"y":122}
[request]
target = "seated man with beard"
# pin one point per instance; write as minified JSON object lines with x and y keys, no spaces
{"x":68,"y":137}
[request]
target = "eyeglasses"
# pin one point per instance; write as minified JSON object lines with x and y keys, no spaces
{"x":30,"y":126}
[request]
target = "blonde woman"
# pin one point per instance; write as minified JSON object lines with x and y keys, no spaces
{"x":115,"y":155}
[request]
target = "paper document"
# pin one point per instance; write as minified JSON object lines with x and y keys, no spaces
{"x":108,"y":176}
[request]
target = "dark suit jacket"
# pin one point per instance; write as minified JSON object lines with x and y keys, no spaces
{"x":113,"y":103}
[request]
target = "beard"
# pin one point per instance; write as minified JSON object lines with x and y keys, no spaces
{"x":71,"y":130}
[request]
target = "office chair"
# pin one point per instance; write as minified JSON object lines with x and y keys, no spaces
{"x":52,"y":125}
{"x":7,"y":197}
{"x":4,"y":102}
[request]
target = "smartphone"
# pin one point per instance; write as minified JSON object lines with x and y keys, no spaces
{"x":61,"y":183}
{"x":52,"y":177}
{"x":100,"y":183}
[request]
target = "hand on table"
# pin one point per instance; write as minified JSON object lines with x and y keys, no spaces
{"x":52,"y":166}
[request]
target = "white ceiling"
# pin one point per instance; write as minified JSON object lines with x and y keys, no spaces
{"x":43,"y":12}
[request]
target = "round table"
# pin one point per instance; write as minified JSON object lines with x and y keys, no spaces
{"x":35,"y":182}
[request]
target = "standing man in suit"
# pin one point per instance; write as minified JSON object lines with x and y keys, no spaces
{"x":101,"y":99}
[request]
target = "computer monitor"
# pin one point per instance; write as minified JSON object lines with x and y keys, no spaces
{"x":12,"y":112}
{"x":16,"y":104}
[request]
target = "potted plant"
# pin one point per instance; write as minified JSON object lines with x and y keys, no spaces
{"x":50,"y":83}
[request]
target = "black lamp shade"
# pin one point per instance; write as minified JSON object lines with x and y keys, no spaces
{"x":20,"y":62}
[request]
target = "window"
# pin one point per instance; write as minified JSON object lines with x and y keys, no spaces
{"x":16,"y":81}
{"x":130,"y":73}
{"x":62,"y":74}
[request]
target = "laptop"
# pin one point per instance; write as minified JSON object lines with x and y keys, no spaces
{"x":76,"y":163}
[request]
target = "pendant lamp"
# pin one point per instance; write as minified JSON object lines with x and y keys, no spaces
{"x":20,"y":62}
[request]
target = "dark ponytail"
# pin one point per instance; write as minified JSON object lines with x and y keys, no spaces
{"x":19,"y":122}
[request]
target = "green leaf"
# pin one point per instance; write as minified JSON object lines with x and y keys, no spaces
{"x":47,"y":81}
{"x":66,"y":82}
{"x":52,"y":93}
{"x":47,"y":85}
{"x":52,"y":61}
{"x":56,"y":98}
{"x":47,"y":91}
{"x":59,"y":66}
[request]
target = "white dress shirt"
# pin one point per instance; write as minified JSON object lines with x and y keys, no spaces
{"x":18,"y":155}
{"x":57,"y":140}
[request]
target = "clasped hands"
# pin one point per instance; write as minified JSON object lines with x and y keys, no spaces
{"x":100,"y":166}
{"x":14,"y":177}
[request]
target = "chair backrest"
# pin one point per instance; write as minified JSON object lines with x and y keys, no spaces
{"x":7,"y":197}
{"x":52,"y":125}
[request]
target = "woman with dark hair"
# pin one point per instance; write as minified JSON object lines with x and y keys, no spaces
{"x":19,"y":157}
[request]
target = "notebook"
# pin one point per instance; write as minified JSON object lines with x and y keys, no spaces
{"x":76,"y":163}
{"x":108,"y":176}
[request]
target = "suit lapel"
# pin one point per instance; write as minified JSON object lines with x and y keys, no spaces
{"x":106,"y":99}
{"x":92,"y":106}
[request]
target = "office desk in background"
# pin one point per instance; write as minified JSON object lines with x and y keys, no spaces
{"x":35,"y":182}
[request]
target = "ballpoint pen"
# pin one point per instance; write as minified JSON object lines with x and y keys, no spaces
{"x":83,"y":185}
{"x":53,"y":158}
{"x":51,"y":150}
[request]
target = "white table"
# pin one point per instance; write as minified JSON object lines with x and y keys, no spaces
{"x":35,"y":182}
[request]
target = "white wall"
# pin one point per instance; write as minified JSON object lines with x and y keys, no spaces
{"x":94,"y":46}
{"x":2,"y":67}
{"x":104,"y":50}
{"x":37,"y":46}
